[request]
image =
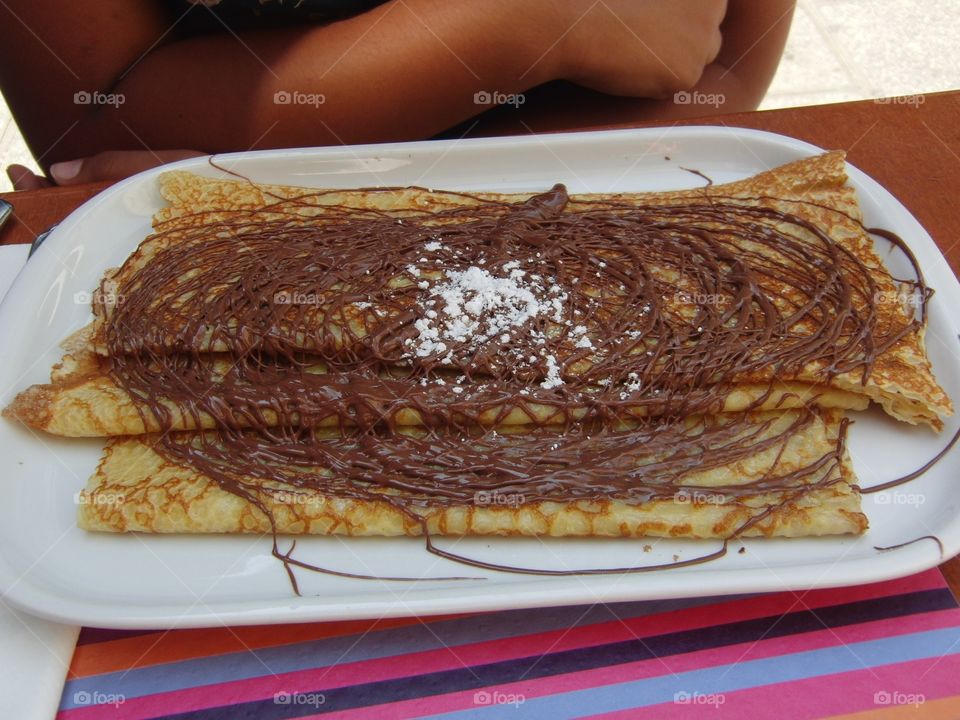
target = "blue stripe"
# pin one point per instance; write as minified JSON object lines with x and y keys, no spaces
{"x":728,"y":678}
{"x":245,"y":664}
{"x":504,"y":672}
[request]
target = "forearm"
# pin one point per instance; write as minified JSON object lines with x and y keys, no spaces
{"x":719,"y":91}
{"x":403,"y":71}
{"x":754,"y":35}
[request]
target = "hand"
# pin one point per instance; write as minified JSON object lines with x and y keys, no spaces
{"x":640,"y":48}
{"x":108,"y":165}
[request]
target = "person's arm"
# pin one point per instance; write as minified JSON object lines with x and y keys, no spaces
{"x":404,"y":70}
{"x":754,"y":35}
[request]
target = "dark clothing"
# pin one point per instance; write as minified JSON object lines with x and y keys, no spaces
{"x":199,"y":17}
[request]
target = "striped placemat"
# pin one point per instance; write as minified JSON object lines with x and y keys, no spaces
{"x":886,"y":650}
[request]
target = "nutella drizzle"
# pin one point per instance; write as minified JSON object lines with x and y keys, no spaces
{"x":916,"y":473}
{"x":887,"y":548}
{"x":700,"y":174}
{"x":313,"y":320}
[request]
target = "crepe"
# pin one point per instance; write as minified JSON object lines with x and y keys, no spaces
{"x":784,"y":470}
{"x":83,"y":400}
{"x":137,"y":488}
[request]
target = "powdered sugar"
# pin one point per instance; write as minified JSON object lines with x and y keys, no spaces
{"x":553,"y":378}
{"x":472,"y":304}
{"x":467,"y":308}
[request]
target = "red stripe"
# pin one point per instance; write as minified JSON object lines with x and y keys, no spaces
{"x":821,"y":696}
{"x":545,"y":643}
{"x":162,"y":648}
{"x":175,"y":646}
{"x":656,"y":667}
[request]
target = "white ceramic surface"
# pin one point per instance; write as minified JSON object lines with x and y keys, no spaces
{"x":35,"y":654}
{"x":50,"y":568}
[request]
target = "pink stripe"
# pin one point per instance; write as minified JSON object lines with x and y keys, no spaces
{"x":686,"y":662}
{"x":514,"y":647}
{"x":818,"y":697}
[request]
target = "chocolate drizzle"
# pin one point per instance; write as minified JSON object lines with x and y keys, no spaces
{"x":675,"y":310}
{"x":916,"y":473}
{"x":888,"y":548}
{"x":665,"y":309}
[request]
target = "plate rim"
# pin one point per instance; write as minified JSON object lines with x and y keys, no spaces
{"x":40,"y":602}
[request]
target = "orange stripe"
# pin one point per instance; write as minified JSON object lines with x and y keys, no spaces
{"x":176,"y":645}
{"x":947,"y":708}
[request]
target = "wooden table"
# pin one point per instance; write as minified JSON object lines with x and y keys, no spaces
{"x":913,"y":149}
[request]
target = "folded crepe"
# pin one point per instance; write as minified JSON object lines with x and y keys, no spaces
{"x":822,"y":320}
{"x":82,"y":399}
{"x":765,"y":474}
{"x":404,"y":361}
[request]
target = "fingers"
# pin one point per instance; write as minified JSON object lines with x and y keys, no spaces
{"x":23,"y":178}
{"x":109,"y":165}
{"x":722,"y":10}
{"x":643,"y":49}
{"x":114,"y":165}
{"x":716,"y":42}
{"x":710,"y":30}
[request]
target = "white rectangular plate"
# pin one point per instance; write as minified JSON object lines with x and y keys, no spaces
{"x":51,"y":568}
